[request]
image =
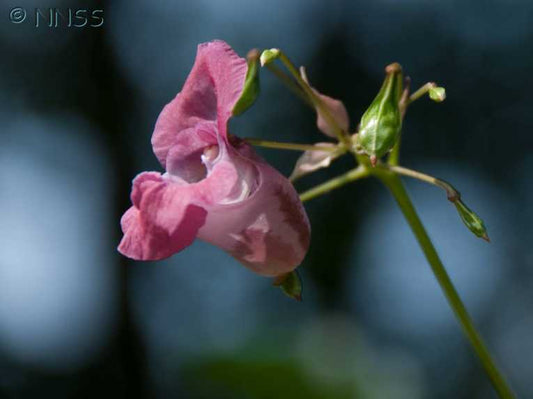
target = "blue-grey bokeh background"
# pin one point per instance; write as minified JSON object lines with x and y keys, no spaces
{"x":77,"y":108}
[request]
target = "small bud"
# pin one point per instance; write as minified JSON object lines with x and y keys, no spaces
{"x":381,"y":123}
{"x":471,"y":220}
{"x":251,"y":88}
{"x":290,"y":284}
{"x":335,"y":107}
{"x":437,"y":94}
{"x":268,"y":56}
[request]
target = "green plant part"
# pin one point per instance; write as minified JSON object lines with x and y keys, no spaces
{"x":251,"y":84}
{"x":290,"y":284}
{"x":379,"y":133}
{"x":267,"y":56}
{"x":381,"y":123}
{"x":471,"y":220}
{"x":437,"y":94}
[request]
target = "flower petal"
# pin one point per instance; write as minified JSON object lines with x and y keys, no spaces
{"x":216,"y":188}
{"x":162,"y":220}
{"x":310,"y":161}
{"x":337,"y":110}
{"x":210,"y":92}
{"x":335,"y":107}
{"x":184,"y":158}
{"x":268,"y":231}
{"x":227,"y":177}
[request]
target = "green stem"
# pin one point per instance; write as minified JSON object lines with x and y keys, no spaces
{"x":421,"y":92}
{"x":352,"y":175}
{"x":290,"y":83}
{"x":290,"y":146}
{"x":397,"y":189}
{"x":451,"y":192}
{"x":394,"y":157}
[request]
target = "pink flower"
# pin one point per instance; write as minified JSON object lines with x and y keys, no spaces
{"x":215,"y":187}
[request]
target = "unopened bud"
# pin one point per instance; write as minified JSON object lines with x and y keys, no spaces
{"x":290,"y":284}
{"x":269,"y":55}
{"x":437,"y":94}
{"x":382,"y":121}
{"x":471,"y":220}
{"x":251,"y":87}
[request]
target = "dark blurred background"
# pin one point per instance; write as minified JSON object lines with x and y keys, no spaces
{"x":77,"y":109}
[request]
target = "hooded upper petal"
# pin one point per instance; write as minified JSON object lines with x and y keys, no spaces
{"x":210,"y":92}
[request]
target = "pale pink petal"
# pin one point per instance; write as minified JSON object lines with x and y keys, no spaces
{"x":268,"y":231}
{"x":337,"y":111}
{"x":162,"y":220}
{"x":335,"y":107}
{"x":210,"y":92}
{"x":310,"y":161}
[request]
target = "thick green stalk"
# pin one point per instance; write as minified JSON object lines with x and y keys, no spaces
{"x":397,"y":189}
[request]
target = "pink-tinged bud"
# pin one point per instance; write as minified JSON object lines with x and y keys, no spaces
{"x":312,"y":160}
{"x":335,"y":107}
{"x":215,"y":187}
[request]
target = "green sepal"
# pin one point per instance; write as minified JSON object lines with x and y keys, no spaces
{"x":381,"y":123}
{"x":251,"y":87}
{"x":471,"y":220}
{"x":290,"y":284}
{"x":437,"y":94}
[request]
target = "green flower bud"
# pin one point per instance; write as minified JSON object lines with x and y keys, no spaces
{"x":381,"y":123}
{"x":471,"y":220}
{"x":269,"y":55}
{"x":251,"y":88}
{"x":290,"y":284}
{"x":437,"y":94}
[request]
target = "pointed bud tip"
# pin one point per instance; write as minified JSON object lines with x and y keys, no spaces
{"x":393,"y":68}
{"x":471,"y":220}
{"x":253,"y":55}
{"x":291,"y":285}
